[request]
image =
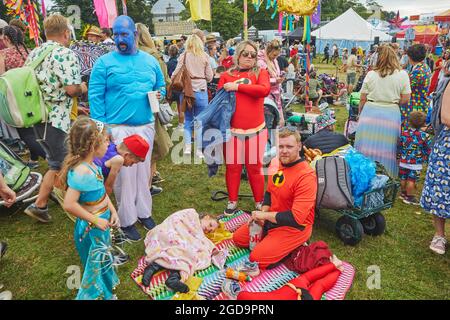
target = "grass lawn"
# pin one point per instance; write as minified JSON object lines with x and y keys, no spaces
{"x":39,"y":254}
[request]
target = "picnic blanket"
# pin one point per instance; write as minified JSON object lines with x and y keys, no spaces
{"x":212,"y":277}
{"x":178,"y":243}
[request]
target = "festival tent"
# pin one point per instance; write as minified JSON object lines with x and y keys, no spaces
{"x":296,"y":34}
{"x":443,"y":17}
{"x":428,"y":34}
{"x":347,"y":31}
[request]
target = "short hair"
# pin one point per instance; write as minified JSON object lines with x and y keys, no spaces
{"x":221,"y":69}
{"x":354,"y":50}
{"x":417,"y":119}
{"x":107,"y":32}
{"x":19,"y":24}
{"x":417,"y":52}
{"x":55,"y":25}
{"x":290,"y":131}
{"x":173,"y":50}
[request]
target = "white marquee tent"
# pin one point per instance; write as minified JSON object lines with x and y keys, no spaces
{"x":347,"y":31}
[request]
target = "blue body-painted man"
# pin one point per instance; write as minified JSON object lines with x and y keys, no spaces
{"x":118,"y":88}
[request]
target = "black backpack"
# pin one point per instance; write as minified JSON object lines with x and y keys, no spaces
{"x":436,"y":121}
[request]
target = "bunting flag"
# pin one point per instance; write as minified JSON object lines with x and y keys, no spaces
{"x":32,"y":18}
{"x":200,"y":9}
{"x":106,"y":11}
{"x":27,"y":12}
{"x":14,"y":8}
{"x":315,"y":19}
{"x":44,"y":10}
{"x":307,"y":29}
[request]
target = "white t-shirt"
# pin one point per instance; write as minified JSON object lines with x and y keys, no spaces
{"x":351,"y":64}
{"x":213,"y":63}
{"x":387,"y":90}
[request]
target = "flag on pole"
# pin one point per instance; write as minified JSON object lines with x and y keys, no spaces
{"x":44,"y":10}
{"x":106,"y":11}
{"x":315,"y":19}
{"x":200,"y":9}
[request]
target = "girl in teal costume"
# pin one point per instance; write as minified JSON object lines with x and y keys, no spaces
{"x":87,"y":200}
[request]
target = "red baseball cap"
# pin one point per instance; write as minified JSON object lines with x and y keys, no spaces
{"x":137,"y":145}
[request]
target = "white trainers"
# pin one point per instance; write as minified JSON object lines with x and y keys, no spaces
{"x":438,"y":244}
{"x":187,"y":149}
{"x":199,"y":154}
{"x":231,"y":208}
{"x":5,"y":295}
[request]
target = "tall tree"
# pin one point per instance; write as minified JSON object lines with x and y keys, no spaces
{"x":227,"y":19}
{"x":262,"y":19}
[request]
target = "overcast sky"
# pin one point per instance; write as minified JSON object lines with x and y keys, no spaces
{"x":406,"y":7}
{"x":411,"y":7}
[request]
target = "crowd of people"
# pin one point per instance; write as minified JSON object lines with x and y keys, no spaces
{"x":114,"y":150}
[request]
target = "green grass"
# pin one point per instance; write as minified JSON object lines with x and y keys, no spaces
{"x":39,"y":254}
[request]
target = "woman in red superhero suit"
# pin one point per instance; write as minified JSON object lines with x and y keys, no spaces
{"x":249,"y":135}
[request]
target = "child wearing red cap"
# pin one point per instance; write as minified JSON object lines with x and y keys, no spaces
{"x":132,"y":150}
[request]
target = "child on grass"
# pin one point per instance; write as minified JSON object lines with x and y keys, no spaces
{"x":414,"y":151}
{"x":179,"y":244}
{"x":87,"y":199}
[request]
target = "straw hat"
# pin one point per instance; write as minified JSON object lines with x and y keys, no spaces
{"x":210,"y":38}
{"x":94,"y":31}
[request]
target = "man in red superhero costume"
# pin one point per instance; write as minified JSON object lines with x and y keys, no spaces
{"x":288,"y":209}
{"x":249,"y":136}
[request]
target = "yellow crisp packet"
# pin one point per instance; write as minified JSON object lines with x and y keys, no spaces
{"x":219,"y":234}
{"x":193,"y":283}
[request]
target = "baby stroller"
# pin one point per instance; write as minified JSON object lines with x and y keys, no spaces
{"x":352,"y":121}
{"x":18,"y":175}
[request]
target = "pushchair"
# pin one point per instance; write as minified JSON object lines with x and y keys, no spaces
{"x":353,"y":115}
{"x":18,"y":175}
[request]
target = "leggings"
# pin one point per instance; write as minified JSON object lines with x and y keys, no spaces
{"x":317,"y":281}
{"x":27,"y":135}
{"x":248,"y":150}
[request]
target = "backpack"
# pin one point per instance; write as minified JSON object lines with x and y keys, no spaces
{"x":12,"y":168}
{"x":21,"y":102}
{"x":334,"y":184}
{"x":436,"y":122}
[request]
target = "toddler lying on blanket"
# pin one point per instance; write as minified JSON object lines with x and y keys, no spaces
{"x":179,"y":244}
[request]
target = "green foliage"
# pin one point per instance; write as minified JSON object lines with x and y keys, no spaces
{"x":226,"y":18}
{"x":262,"y":20}
{"x":334,"y":8}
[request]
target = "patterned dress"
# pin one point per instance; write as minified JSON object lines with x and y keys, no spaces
{"x":436,"y":190}
{"x":419,"y":77}
{"x":14,"y":58}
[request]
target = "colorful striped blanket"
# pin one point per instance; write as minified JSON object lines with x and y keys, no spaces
{"x":212,"y":277}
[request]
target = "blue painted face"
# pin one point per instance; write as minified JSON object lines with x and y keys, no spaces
{"x":125,"y":35}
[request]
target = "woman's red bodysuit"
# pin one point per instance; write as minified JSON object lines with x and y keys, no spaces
{"x":249,"y":137}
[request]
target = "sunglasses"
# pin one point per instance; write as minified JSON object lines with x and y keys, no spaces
{"x":246,"y":53}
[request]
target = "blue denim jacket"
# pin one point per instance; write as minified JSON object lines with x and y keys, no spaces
{"x":216,"y":116}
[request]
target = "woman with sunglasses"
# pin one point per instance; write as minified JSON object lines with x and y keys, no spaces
{"x":249,"y":135}
{"x":267,"y":59}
